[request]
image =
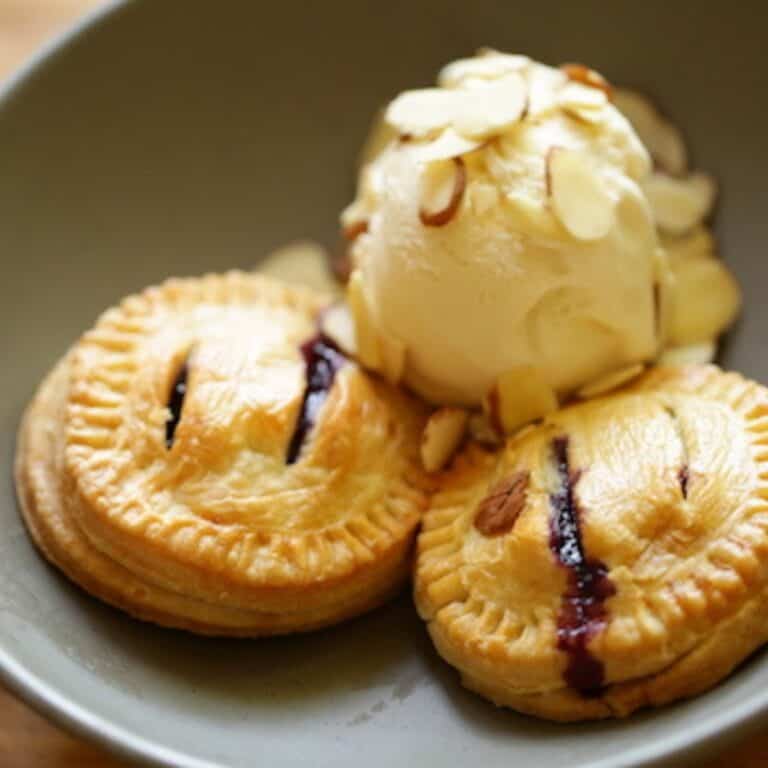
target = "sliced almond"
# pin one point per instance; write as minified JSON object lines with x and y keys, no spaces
{"x":694,"y":354}
{"x":366,"y":339}
{"x":489,"y":110}
{"x":423,"y":112}
{"x":442,"y":436}
{"x":392,"y":353}
{"x":544,"y":86}
{"x":489,"y":65}
{"x":582,"y":103}
{"x":579,"y":73}
{"x":580,"y":199}
{"x":301,"y":263}
{"x":497,"y":513}
{"x":519,"y":396}
{"x":661,"y":137}
{"x":447,"y":146}
{"x":338,"y":325}
{"x":582,"y":96}
{"x":706,"y":301}
{"x":442,"y":189}
{"x":611,"y":381}
{"x":680,"y":205}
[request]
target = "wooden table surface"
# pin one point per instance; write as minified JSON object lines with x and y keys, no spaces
{"x":26,"y":740}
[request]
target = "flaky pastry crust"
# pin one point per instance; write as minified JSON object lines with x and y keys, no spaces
{"x":613,"y":557}
{"x":214,"y":530}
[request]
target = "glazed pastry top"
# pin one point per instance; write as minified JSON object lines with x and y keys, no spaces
{"x":208,"y":420}
{"x":610,"y":540}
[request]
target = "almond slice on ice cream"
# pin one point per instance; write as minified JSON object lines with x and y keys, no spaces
{"x":519,"y":396}
{"x":447,"y":146}
{"x":488,"y":65}
{"x":680,"y":205}
{"x":424,"y":111}
{"x":442,"y":436}
{"x":442,"y":189}
{"x":490,"y":109}
{"x":580,"y":198}
{"x":579,"y":73}
{"x":661,"y":137}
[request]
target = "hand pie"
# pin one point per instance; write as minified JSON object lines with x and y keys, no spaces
{"x":613,"y":557}
{"x":204,"y":459}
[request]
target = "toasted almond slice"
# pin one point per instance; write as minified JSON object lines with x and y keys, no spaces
{"x":366,"y":339}
{"x":442,"y":436}
{"x":579,"y":197}
{"x":661,"y":137}
{"x":579,"y":73}
{"x":611,"y":381}
{"x":447,"y":146}
{"x":578,"y":96}
{"x":489,"y":110}
{"x":706,"y":301}
{"x":423,"y":112}
{"x":693,"y":354}
{"x":338,"y":325}
{"x":392,"y":358}
{"x":442,"y":189}
{"x":586,"y":115}
{"x":301,"y":263}
{"x":489,"y":65}
{"x":680,"y":205}
{"x":544,"y":86}
{"x":519,"y":396}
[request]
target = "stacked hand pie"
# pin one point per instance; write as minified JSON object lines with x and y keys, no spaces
{"x":203,"y":458}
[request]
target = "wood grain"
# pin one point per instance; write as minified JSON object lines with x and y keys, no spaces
{"x":26,"y":740}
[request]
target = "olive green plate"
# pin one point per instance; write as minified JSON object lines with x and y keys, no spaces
{"x":178,"y":136}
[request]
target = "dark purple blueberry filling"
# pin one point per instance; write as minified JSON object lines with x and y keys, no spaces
{"x":582,"y":611}
{"x":176,"y":404}
{"x":323,"y":360}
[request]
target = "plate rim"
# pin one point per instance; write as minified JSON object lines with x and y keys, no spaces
{"x":74,"y":718}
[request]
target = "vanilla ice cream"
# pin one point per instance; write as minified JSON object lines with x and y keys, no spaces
{"x":503,"y":244}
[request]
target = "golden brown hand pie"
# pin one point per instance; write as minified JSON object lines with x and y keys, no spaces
{"x":613,"y":557}
{"x":204,"y":459}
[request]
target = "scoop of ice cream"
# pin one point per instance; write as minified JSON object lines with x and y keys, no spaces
{"x":502,"y":235}
{"x":505,"y":250}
